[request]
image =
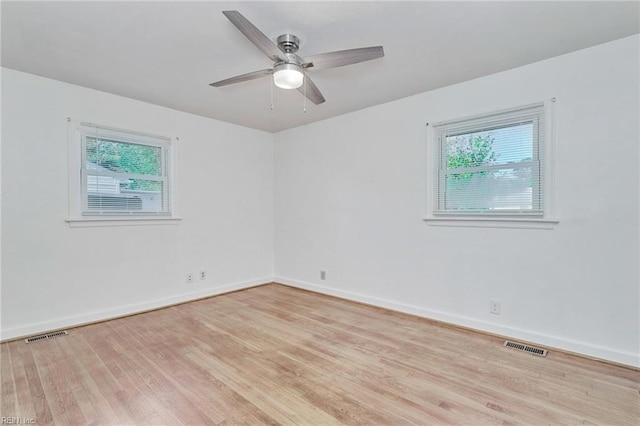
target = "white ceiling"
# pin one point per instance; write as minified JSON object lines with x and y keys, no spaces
{"x":167,"y":53}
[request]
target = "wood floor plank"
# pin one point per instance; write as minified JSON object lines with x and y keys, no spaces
{"x":53,"y":371}
{"x":8,"y":388}
{"x":41,"y":411}
{"x":278,"y":355}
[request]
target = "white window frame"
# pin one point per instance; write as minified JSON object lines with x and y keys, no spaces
{"x":543,"y":218}
{"x":79,"y":213}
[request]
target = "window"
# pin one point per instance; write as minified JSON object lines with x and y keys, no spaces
{"x":122,"y":173}
{"x":490,"y":166}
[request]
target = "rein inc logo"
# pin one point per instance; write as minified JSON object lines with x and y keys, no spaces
{"x":17,"y":421}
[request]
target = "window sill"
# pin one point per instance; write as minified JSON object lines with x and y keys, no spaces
{"x":88,"y":222}
{"x":494,"y":222}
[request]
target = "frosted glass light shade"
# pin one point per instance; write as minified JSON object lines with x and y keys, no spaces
{"x":288,"y":76}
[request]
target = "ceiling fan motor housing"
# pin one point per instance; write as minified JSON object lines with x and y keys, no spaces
{"x":288,"y":74}
{"x":288,"y":43}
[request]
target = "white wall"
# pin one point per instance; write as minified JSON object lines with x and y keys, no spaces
{"x":350,"y":195}
{"x":55,"y":276}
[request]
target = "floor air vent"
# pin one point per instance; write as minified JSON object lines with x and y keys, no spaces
{"x":525,"y":348}
{"x":45,"y":337}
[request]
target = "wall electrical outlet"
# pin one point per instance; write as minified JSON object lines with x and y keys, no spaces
{"x":203,"y":275}
{"x":494,"y":307}
{"x":323,"y":275}
{"x":189,"y":278}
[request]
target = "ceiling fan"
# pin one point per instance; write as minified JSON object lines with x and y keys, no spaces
{"x":290,"y":70}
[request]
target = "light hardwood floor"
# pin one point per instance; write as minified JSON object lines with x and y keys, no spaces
{"x":279,"y":355}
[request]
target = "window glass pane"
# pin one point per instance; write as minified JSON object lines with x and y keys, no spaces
{"x":513,"y":144}
{"x":470,"y":150}
{"x":149,"y":192}
{"x":122,"y":157}
{"x":500,"y":189}
{"x":141,"y":185}
{"x":496,"y":146}
{"x":107,"y":193}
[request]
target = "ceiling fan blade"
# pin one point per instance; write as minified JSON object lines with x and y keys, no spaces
{"x":254,"y":35}
{"x":244,"y":77}
{"x":343,"y":57}
{"x":312,"y":91}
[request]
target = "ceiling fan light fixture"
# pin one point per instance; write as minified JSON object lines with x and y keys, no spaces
{"x":288,"y":76}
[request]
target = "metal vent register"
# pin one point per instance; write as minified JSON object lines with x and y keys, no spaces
{"x":45,"y":336}
{"x":525,"y":348}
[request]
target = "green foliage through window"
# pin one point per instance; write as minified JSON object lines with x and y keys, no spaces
{"x":122,"y":157}
{"x":470,"y":150}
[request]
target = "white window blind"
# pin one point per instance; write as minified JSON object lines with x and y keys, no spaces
{"x":490,"y":165}
{"x":124,"y":173}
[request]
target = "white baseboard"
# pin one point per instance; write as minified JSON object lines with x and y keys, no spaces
{"x":545,"y":340}
{"x":590,"y":350}
{"x":97,"y":316}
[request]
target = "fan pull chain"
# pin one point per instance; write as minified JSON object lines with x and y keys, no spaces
{"x":304,"y":102}
{"x":271,"y":83}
